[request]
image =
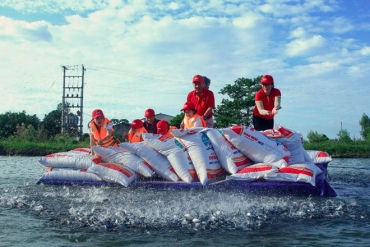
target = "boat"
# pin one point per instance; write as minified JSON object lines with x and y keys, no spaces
{"x":322,"y":187}
{"x":204,"y":159}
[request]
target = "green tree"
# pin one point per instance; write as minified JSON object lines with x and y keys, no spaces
{"x":52,"y":122}
{"x":115,"y":121}
{"x":365,"y":127}
{"x":238,"y":107}
{"x":176,"y":121}
{"x":315,"y":137}
{"x":344,"y":136}
{"x":10,"y":120}
{"x":29,"y":133}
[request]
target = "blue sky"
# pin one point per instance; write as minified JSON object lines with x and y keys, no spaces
{"x":143,"y":54}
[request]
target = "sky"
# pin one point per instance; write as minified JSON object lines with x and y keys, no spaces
{"x":141,"y":54}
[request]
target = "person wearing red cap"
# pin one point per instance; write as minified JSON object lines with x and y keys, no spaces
{"x":101,"y":130}
{"x":136,"y":131}
{"x":164,"y":128}
{"x":151,"y":122}
{"x":203,"y":100}
{"x":267,"y":105}
{"x":191,"y":118}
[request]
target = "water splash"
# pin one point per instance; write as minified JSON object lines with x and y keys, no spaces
{"x":122,"y":209}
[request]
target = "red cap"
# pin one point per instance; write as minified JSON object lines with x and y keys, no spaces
{"x":162,"y":127}
{"x":198,"y":79}
{"x":267,"y":79}
{"x":188,"y":106}
{"x":97,"y":113}
{"x":137,"y":124}
{"x":149,"y":113}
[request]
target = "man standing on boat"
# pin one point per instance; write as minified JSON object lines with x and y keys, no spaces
{"x":203,"y":99}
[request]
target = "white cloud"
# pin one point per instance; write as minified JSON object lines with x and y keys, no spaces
{"x":303,"y":47}
{"x":286,"y":8}
{"x":365,"y":51}
{"x":298,"y":33}
{"x":339,"y":25}
{"x":54,"y":6}
{"x":174,"y":6}
{"x":249,"y":20}
{"x":19,"y":31}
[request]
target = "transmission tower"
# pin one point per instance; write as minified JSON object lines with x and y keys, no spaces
{"x":72,"y":101}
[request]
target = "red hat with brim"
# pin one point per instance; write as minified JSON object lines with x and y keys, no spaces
{"x":188,"y":106}
{"x":162,"y":127}
{"x":137,"y":124}
{"x":97,"y":113}
{"x":198,"y":79}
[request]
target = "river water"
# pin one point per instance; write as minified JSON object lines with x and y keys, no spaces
{"x":50,"y":215}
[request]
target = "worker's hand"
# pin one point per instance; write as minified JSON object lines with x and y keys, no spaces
{"x":274,"y":111}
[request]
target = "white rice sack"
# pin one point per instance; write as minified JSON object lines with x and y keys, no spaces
{"x":304,"y":172}
{"x":81,"y":150}
{"x":176,"y":154}
{"x":66,"y":174}
{"x":202,"y":154}
{"x":318,"y":156}
{"x":230,"y":158}
{"x":157,"y":161}
{"x":256,"y":146}
{"x":76,"y":160}
{"x":293,"y":142}
{"x":113,"y":173}
{"x":272,"y":133}
{"x":122,"y":157}
{"x":254,"y":172}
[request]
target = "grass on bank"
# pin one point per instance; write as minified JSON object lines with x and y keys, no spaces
{"x":355,"y":149}
{"x":15,"y":146}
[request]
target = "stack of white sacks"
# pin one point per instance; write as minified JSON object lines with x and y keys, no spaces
{"x":199,"y":154}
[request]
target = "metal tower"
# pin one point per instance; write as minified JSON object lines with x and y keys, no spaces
{"x":72,"y":101}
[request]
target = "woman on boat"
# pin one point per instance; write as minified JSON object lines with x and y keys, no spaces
{"x":191,"y":118}
{"x":135,"y":133}
{"x":101,"y":130}
{"x":267,"y":102}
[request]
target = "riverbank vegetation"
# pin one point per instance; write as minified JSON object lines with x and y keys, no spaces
{"x":16,"y":146}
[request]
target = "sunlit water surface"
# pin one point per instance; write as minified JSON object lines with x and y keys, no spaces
{"x":50,"y":215}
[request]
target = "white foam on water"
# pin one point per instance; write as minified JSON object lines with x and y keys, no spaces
{"x":139,"y":208}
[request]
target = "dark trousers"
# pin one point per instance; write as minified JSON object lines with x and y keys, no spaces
{"x":261,"y":124}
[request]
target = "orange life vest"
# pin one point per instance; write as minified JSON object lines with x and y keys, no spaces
{"x":190,"y":122}
{"x":99,"y":134}
{"x":136,"y":136}
{"x":169,"y":134}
